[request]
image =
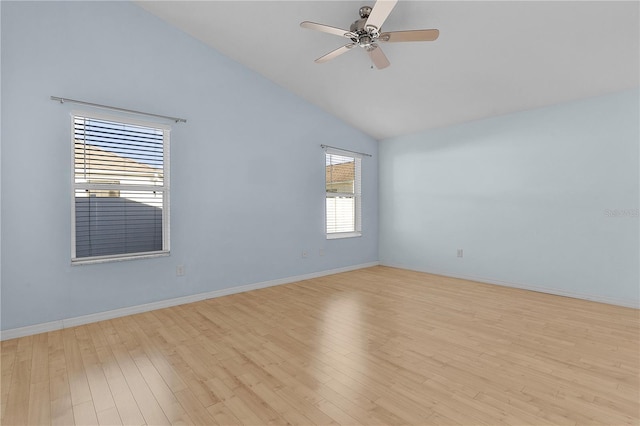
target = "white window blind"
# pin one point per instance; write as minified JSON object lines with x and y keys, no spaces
{"x":120,"y":189}
{"x":343,"y":193}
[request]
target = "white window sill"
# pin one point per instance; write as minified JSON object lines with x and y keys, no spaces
{"x":105,"y":259}
{"x":338,"y":235}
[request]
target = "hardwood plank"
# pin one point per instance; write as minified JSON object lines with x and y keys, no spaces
{"x":269,"y":397}
{"x":223,"y":415}
{"x":162,"y":392}
{"x":78,"y":384}
{"x":242,"y":411}
{"x":101,"y":396}
{"x":379,"y":346}
{"x":295,"y":397}
{"x":196,"y":410}
{"x":340,"y":416}
{"x":39,"y":397}
{"x":122,"y":397}
{"x":109,"y":416}
{"x":39,"y":404}
{"x":84,"y":413}
{"x":17,"y":405}
{"x":166,"y":398}
{"x":8,"y":350}
{"x":59,"y":389}
{"x":149,"y":407}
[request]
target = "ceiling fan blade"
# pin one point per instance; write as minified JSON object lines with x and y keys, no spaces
{"x":379,"y":13}
{"x":327,"y":29}
{"x":412,"y":35}
{"x":378,"y":57}
{"x":339,"y":51}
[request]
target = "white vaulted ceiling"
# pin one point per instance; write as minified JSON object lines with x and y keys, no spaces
{"x":492,"y":58}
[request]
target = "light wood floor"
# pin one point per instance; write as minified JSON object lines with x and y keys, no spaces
{"x":375,"y":346}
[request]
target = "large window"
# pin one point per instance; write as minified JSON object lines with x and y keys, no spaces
{"x":342,"y":179}
{"x":120,"y":189}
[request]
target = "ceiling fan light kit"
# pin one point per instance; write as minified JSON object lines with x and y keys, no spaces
{"x":365,"y":32}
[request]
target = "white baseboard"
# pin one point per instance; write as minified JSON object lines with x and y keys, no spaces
{"x":584,"y":296}
{"x":116,"y":313}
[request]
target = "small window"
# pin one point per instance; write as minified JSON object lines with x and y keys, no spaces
{"x":342,"y":179}
{"x":120,"y":189}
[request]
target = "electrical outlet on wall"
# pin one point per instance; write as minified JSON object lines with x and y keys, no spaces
{"x":460,"y":253}
{"x":179,"y":270}
{"x":305,"y":254}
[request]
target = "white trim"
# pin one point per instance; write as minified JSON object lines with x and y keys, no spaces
{"x":100,"y":115}
{"x":73,"y":183}
{"x":356,"y":196}
{"x":357,"y":188}
{"x":163,"y":189}
{"x":119,"y":186}
{"x":343,"y":152}
{"x":339,"y":235}
{"x":341,"y":194}
{"x":118,"y":257}
{"x":121,"y":312}
{"x":583,"y":296}
{"x":166,"y":183}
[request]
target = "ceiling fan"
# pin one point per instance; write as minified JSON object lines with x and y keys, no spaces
{"x":365,"y":32}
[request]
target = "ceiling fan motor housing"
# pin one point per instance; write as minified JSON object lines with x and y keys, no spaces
{"x":365,"y":37}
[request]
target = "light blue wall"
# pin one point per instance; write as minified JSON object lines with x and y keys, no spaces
{"x":247,"y":171}
{"x":524,"y":195}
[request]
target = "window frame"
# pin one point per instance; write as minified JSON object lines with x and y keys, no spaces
{"x":357,"y":195}
{"x":165,"y":188}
